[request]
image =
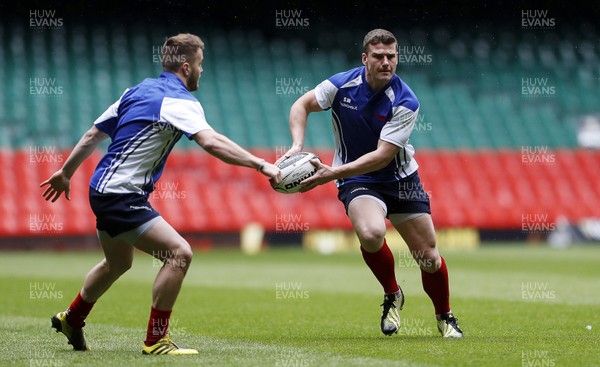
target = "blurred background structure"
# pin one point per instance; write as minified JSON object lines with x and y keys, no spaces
{"x":507,"y":137}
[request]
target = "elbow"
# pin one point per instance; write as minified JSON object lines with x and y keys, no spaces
{"x":302,"y":106}
{"x":297,"y":107}
{"x":210,"y":142}
{"x":384,"y":162}
{"x":382,"y":165}
{"x":209,"y":146}
{"x":90,"y":136}
{"x":93,"y":136}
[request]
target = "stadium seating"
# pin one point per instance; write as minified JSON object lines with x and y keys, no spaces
{"x":198,"y":193}
{"x":473,"y":126}
{"x":470,"y":98}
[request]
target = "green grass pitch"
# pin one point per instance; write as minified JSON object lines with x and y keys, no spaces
{"x":518,"y":306}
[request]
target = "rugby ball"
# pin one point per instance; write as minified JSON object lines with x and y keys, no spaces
{"x":295,"y":169}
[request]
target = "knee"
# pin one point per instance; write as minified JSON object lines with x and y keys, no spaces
{"x":427,"y":257}
{"x":181,"y":257}
{"x":117,"y":267}
{"x":186,"y":255}
{"x":371,"y":239}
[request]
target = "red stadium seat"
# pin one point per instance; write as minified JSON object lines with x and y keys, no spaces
{"x":485,"y":189}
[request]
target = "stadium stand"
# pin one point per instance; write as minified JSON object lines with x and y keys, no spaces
{"x":481,"y":140}
{"x":494,"y":190}
{"x":469,"y":99}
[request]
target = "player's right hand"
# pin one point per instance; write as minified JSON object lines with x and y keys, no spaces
{"x":287,"y":154}
{"x":323,"y":175}
{"x":271,"y":171}
{"x":59,"y":183}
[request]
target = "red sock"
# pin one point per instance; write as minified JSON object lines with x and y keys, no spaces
{"x":437,"y":288}
{"x":78,"y":311}
{"x":382,"y":265}
{"x":158,"y":325}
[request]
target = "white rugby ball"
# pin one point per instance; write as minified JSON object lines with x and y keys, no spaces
{"x":295,"y":169}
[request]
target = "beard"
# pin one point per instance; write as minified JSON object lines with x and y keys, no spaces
{"x":192,"y":83}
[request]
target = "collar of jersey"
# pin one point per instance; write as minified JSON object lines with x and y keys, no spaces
{"x":169,"y":75}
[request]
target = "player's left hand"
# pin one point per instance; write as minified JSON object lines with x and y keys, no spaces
{"x":59,"y":183}
{"x":323,"y":175}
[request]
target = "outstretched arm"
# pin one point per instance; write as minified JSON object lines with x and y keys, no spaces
{"x":61,"y":180}
{"x":299,"y":118}
{"x":230,"y":152}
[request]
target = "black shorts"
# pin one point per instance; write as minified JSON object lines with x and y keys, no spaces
{"x":119,"y":213}
{"x":405,"y":196}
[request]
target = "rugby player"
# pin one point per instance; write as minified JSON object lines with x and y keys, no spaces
{"x":373,"y":114}
{"x":143,"y":125}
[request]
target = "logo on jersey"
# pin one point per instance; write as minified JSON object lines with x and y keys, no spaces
{"x":137,"y":207}
{"x":346,"y":103}
{"x":381,"y":117}
{"x":358,"y":189}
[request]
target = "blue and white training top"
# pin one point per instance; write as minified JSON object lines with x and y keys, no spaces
{"x":361,"y":118}
{"x":144,"y":125}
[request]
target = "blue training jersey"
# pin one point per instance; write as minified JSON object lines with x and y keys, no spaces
{"x":361,"y":118}
{"x":144,"y":125}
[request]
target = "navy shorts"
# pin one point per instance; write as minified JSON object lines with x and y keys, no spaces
{"x":405,"y":196}
{"x":119,"y":213}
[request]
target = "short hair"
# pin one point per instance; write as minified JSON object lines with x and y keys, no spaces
{"x":377,"y":36}
{"x":179,"y":49}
